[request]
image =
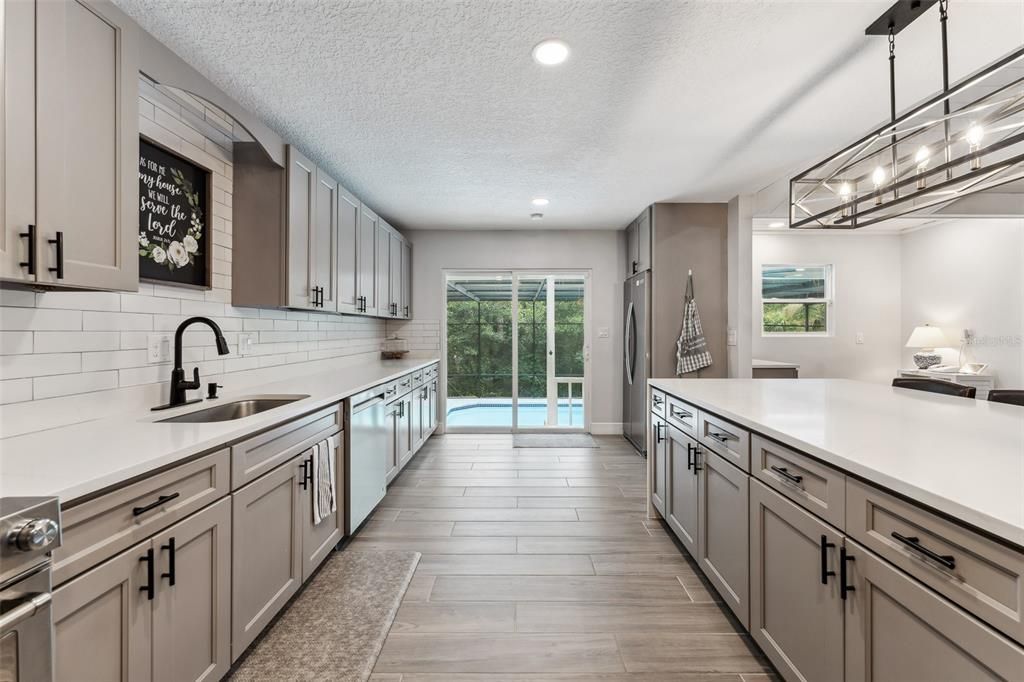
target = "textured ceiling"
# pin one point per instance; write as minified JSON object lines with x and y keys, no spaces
{"x":434,"y":113}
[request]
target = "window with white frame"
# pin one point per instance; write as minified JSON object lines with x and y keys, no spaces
{"x":796,"y":300}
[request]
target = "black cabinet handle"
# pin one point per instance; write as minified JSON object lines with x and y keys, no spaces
{"x":169,"y":547}
{"x":721,"y":437}
{"x":825,"y":573}
{"x":657,"y":432}
{"x":844,"y":558}
{"x":309,"y":471}
{"x":784,"y":472}
{"x":30,"y":264}
{"x":634,"y":267}
{"x":304,"y":480}
{"x":150,"y":587}
{"x":682,"y":414}
{"x":407,"y":311}
{"x":914,"y":543}
{"x":163,"y":499}
{"x":59,"y":243}
{"x":693,"y":458}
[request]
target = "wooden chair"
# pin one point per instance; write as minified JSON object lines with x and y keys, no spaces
{"x":1010,"y":396}
{"x":934,"y":386}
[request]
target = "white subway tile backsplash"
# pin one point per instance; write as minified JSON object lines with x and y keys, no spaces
{"x":116,"y":321}
{"x":32,"y":319}
{"x":69,"y":384}
{"x":79,"y":300}
{"x":12,"y":343}
{"x":151,"y":374}
{"x":15,"y":391}
{"x":39,"y":364}
{"x":116,"y":359}
{"x":138,"y":303}
{"x":69,"y":342}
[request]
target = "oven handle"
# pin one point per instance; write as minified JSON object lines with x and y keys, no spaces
{"x":25,"y":611}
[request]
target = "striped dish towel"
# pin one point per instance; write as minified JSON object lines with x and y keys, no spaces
{"x":325,"y":501}
{"x":692,"y":352}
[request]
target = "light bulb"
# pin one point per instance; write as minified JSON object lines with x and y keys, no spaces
{"x":844,"y":196}
{"x":551,"y":52}
{"x":974,"y":135}
{"x":540,"y":201}
{"x":878,"y":177}
{"x":921,"y":158}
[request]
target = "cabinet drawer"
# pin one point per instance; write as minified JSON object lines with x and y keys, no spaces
{"x":979,"y":574}
{"x":417,"y":378}
{"x":252,"y":458}
{"x":97,"y":529}
{"x":658,"y":403}
{"x":404,"y":384}
{"x":816,"y":487}
{"x":725,"y":438}
{"x":390,"y":390}
{"x":682,"y":415}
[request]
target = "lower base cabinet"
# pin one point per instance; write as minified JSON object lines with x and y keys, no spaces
{"x":722,"y":541}
{"x":658,"y":453}
{"x":795,"y":612}
{"x":158,"y":611}
{"x":898,"y":630}
{"x":272,"y":529}
{"x":320,"y":539}
{"x":683,"y":505}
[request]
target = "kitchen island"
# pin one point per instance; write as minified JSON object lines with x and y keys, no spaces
{"x":833,"y":516}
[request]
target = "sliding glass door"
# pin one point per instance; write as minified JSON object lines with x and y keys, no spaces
{"x":517,"y":351}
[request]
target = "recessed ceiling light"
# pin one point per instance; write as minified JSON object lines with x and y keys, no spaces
{"x":550,"y":52}
{"x":536,"y":216}
{"x":540,"y":201}
{"x":777,"y":223}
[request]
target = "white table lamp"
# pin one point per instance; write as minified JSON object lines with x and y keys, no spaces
{"x":927,"y":338}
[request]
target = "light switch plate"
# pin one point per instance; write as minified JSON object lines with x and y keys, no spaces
{"x":731,"y":339}
{"x":602,"y":332}
{"x":860,"y":337}
{"x":158,"y":348}
{"x":246,"y":343}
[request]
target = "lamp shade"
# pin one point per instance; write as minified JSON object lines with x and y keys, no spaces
{"x":927,"y":337}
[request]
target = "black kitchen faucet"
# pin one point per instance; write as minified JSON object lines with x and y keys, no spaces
{"x":179,"y":385}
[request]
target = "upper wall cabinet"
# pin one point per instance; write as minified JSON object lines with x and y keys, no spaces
{"x":346,"y":257}
{"x":406,"y":280}
{"x":638,"y":244}
{"x":69,"y":145}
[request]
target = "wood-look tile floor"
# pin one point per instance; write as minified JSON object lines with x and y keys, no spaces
{"x":541,"y":565}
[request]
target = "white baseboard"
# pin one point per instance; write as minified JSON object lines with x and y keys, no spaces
{"x":606,"y":428}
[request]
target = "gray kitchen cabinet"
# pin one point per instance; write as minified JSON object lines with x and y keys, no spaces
{"x":382,"y":271}
{"x":367,"y":260}
{"x":347,"y":252}
{"x":638,"y":244}
{"x":723,"y":542}
{"x":266,"y":541}
{"x":406,"y":279}
{"x":323,"y":247}
{"x":319,"y":539}
{"x":192,"y":609}
{"x":158,"y":611}
{"x":405,"y":438}
{"x":392,"y":420}
{"x":659,"y":463}
{"x":796,"y":616}
{"x":395,"y":274}
{"x":102,"y":624}
{"x":683,"y":503}
{"x":70,"y":147}
{"x":433,"y":405}
{"x":898,"y":630}
{"x":301,"y":231}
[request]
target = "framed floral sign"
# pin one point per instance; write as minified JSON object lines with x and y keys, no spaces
{"x":173,"y":218}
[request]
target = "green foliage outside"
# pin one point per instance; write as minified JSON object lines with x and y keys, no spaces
{"x":480,"y":347}
{"x":795,"y":317}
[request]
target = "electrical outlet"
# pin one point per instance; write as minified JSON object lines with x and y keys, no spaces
{"x":602,"y":332}
{"x":246,"y":343}
{"x":860,"y":337}
{"x":731,"y":337}
{"x":158,"y":348}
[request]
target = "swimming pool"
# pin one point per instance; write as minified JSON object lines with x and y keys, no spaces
{"x":496,"y":412}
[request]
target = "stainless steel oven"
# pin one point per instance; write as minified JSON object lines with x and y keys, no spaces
{"x":29,"y":531}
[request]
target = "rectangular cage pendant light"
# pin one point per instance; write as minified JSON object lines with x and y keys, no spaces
{"x":967,"y":139}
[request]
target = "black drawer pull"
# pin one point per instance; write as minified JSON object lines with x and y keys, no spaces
{"x":844,"y":589}
{"x":825,"y":573}
{"x":150,"y":587}
{"x":170,"y":562}
{"x":682,"y":414}
{"x":721,"y":437}
{"x":59,"y":243}
{"x":163,"y":499}
{"x":30,"y":264}
{"x":784,"y":472}
{"x":947,"y":560}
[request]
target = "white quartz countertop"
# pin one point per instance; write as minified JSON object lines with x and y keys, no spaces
{"x":962,"y":457}
{"x":773,"y":364}
{"x":74,"y":461}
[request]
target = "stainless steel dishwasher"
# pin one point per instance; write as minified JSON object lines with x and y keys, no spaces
{"x":366,"y":471}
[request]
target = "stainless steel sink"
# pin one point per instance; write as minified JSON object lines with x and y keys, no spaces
{"x":235,"y":410}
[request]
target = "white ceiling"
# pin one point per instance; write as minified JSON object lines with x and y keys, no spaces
{"x":435,"y":114}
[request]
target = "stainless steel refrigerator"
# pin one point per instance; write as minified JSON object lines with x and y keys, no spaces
{"x":637,"y":347}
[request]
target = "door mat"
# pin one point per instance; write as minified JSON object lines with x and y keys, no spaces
{"x":554,"y":440}
{"x":336,"y":628}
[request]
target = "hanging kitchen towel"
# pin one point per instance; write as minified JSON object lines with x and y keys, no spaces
{"x":325,"y":501}
{"x":691,"y":349}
